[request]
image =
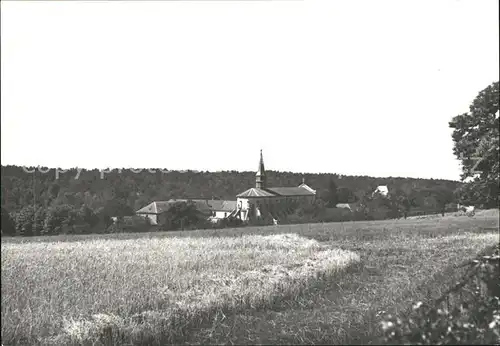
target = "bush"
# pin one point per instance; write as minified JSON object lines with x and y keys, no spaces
{"x":87,"y":216}
{"x":227,"y":223}
{"x":60,"y":219}
{"x":183,"y":215}
{"x":475,"y":320}
{"x":24,"y":221}
{"x":130,"y":224}
{"x":337,"y":215}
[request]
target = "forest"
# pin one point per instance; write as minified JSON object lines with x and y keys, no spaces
{"x":53,"y":199}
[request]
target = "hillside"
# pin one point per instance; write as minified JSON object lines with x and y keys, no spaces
{"x":137,"y":189}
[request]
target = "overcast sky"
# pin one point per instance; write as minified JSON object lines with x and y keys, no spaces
{"x":348,"y":87}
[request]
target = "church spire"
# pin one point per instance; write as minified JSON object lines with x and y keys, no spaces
{"x":260,"y":177}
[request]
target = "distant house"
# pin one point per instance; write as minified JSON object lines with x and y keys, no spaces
{"x":466,"y":208}
{"x":343,"y":206}
{"x":213,"y":209}
{"x":382,"y":189}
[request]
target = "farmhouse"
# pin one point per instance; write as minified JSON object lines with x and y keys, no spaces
{"x":255,"y":198}
{"x":213,"y":209}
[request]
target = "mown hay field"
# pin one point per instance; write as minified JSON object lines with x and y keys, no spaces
{"x":150,"y":290}
{"x":317,"y":283}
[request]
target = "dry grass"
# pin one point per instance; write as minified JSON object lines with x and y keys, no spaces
{"x":254,"y":289}
{"x":150,"y":290}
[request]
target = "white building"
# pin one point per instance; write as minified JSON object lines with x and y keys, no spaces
{"x":382,"y":189}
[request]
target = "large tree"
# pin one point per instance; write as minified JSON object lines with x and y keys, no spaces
{"x":182,"y":215}
{"x":330,"y":196}
{"x":402,"y":202}
{"x":476,"y":144}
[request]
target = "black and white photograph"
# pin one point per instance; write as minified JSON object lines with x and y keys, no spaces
{"x":250,"y":172}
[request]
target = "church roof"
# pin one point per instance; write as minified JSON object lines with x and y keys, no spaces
{"x":261,"y":171}
{"x":255,"y":192}
{"x":275,"y":192}
{"x":290,"y":191}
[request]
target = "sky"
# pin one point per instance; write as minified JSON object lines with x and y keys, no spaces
{"x":347,"y":87}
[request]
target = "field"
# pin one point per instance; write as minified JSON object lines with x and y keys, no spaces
{"x":317,"y":283}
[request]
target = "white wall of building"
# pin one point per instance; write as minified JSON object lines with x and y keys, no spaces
{"x":153,"y":218}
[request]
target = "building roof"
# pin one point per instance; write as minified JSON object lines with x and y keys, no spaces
{"x":204,"y":205}
{"x":255,"y":192}
{"x":219,"y":205}
{"x":290,"y":191}
{"x":307,"y":187}
{"x":261,"y":171}
{"x":276,"y":191}
{"x":156,"y":207}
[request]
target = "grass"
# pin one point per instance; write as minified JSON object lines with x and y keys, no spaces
{"x":150,"y":290}
{"x":273,"y":285}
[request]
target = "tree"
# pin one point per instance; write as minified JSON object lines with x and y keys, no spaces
{"x":331,"y":196}
{"x":117,"y":207}
{"x":443,"y":198}
{"x":60,"y":219}
{"x":182,"y":215}
{"x":24,"y":221}
{"x":53,"y":192}
{"x":476,"y":144}
{"x":87,"y":216}
{"x":402,"y":202}
{"x":39,"y":220}
{"x":345,"y":195}
{"x":8,"y":226}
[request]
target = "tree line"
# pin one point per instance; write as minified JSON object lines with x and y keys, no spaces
{"x":38,"y":204}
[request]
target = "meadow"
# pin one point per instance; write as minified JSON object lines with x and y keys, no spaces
{"x":315,"y":283}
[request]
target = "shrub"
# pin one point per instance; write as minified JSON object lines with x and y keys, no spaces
{"x":87,"y":216}
{"x":228,"y":222}
{"x":60,"y":219}
{"x":182,"y":215}
{"x":135,"y":223}
{"x":475,"y":320}
{"x":24,"y":221}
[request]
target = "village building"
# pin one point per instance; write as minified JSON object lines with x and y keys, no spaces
{"x":256,"y":198}
{"x":382,"y":190}
{"x":213,"y":209}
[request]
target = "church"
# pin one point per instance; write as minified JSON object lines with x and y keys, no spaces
{"x":249,"y":203}
{"x":256,"y":198}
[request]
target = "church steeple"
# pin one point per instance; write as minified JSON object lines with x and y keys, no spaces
{"x":260,"y":177}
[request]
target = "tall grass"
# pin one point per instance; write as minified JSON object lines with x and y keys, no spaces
{"x":150,"y":290}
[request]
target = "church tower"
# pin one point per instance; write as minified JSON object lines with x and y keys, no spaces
{"x":260,"y":177}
